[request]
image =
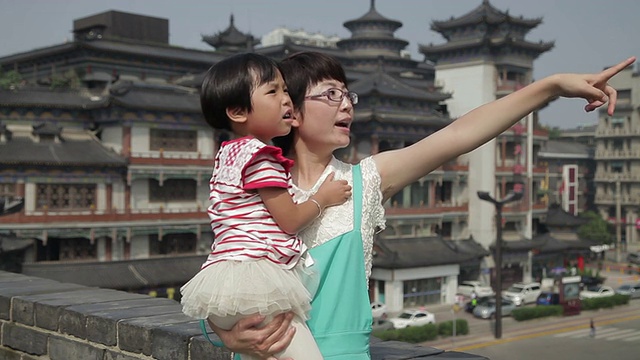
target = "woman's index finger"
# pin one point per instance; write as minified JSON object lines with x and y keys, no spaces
{"x":612,"y":71}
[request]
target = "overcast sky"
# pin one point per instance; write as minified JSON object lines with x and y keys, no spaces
{"x":589,"y":34}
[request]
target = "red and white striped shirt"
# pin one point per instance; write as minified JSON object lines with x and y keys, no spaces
{"x":243,"y":228}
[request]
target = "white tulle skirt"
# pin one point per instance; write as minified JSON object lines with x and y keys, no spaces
{"x":230,"y":288}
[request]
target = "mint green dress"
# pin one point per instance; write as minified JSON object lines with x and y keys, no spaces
{"x":340,"y":312}
{"x":340,"y":317}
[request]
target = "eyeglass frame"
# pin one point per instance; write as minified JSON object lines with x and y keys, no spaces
{"x":352,"y":96}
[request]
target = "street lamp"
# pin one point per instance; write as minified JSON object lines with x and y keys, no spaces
{"x":511,"y":197}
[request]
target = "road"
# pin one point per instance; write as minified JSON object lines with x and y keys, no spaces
{"x":619,"y":340}
{"x":617,"y":335}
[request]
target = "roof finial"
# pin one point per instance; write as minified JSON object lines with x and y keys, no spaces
{"x":231,"y":19}
{"x":373,"y":5}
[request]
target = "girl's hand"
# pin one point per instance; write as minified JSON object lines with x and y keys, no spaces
{"x":333,"y":192}
{"x":248,"y":336}
{"x":593,"y":87}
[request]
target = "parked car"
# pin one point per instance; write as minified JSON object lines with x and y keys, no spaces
{"x":629,"y":289}
{"x":381,"y":325}
{"x":587,"y":281}
{"x":487,"y":310}
{"x":523,"y":293}
{"x":598,"y":291}
{"x":378,"y":310}
{"x":468,"y":307}
{"x":634,"y":258}
{"x":413,"y":318}
{"x":466,"y":288}
{"x":548,"y":298}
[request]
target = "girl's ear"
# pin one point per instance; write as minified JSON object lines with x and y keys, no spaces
{"x":237,"y":115}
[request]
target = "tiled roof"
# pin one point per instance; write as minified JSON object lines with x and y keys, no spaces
{"x":401,"y":253}
{"x":25,"y":151}
{"x":129,"y":274}
{"x":484,"y":12}
{"x":382,"y":83}
{"x":141,"y":95}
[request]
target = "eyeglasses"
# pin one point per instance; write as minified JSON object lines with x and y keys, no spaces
{"x":336,"y":95}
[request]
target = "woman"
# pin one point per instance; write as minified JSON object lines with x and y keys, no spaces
{"x":341,"y":317}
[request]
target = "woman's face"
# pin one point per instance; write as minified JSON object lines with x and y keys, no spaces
{"x":325,"y":123}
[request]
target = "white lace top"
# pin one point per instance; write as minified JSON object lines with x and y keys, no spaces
{"x":338,"y":220}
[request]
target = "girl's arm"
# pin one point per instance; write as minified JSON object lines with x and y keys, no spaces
{"x":400,"y":167}
{"x":292,"y":217}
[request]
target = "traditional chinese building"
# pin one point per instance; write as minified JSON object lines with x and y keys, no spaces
{"x":486,"y":56}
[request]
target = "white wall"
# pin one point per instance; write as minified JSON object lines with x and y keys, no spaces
{"x":472,"y":85}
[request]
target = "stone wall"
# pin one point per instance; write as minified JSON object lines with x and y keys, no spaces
{"x":46,"y":319}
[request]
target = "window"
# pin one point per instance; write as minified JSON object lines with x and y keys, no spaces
{"x":173,"y":140}
{"x":172,"y":190}
{"x":7,"y":190}
{"x":179,"y":243}
{"x":65,"y":196}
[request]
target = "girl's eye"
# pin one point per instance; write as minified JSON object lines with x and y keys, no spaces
{"x":333,"y":92}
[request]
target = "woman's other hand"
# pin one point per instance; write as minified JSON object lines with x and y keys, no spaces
{"x":248,"y":336}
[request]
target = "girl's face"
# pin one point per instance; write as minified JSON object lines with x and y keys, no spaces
{"x":272,"y":110}
{"x":325,"y":124}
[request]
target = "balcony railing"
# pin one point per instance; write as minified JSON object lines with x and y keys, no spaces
{"x":624,"y":199}
{"x":617,"y":154}
{"x":615,"y":132}
{"x":611,"y":177}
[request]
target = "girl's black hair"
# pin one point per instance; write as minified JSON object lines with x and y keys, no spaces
{"x":229,"y":84}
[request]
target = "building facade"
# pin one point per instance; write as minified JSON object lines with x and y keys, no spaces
{"x":617,"y":154}
{"x":121,"y":157}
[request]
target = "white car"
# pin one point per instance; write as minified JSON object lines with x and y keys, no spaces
{"x":466,"y":288}
{"x":521,"y":293}
{"x":597,"y":291}
{"x":413,"y":318}
{"x":378,"y":310}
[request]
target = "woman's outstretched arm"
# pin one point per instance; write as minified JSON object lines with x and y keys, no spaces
{"x":400,"y":167}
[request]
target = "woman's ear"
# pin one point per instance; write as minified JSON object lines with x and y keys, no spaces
{"x":297,"y":118}
{"x":237,"y":115}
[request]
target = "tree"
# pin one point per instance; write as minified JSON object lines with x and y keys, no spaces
{"x":9,"y":79}
{"x":596,"y":230}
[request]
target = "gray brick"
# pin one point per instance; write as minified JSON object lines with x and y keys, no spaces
{"x":28,"y":287}
{"x":66,"y":349}
{"x":102,"y":326}
{"x":73,"y":320}
{"x":24,"y":339}
{"x":47,"y":311}
{"x":111,"y":355}
{"x":172,"y":341}
{"x":200,"y":348}
{"x":8,"y":354}
{"x":23,"y":306}
{"x":135,"y":334}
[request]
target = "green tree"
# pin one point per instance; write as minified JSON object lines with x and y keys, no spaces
{"x":596,"y":230}
{"x":554,"y":132}
{"x":9,"y":79}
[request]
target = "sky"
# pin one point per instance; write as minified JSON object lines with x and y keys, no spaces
{"x":589,"y":35}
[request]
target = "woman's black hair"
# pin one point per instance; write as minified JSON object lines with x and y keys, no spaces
{"x":229,"y":83}
{"x":300,"y":71}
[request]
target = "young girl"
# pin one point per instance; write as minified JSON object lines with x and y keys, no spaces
{"x":257,"y":264}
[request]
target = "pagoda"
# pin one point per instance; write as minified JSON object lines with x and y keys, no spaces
{"x":231,"y":40}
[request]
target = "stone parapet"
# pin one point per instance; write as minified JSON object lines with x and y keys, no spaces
{"x":46,"y":319}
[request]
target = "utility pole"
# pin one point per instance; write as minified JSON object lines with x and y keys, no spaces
{"x":511,"y":197}
{"x":618,"y":220}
